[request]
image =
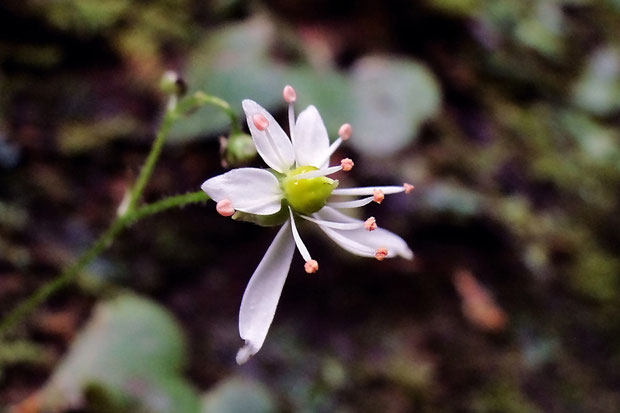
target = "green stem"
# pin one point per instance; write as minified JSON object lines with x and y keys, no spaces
{"x":174,"y":111}
{"x":151,"y":160}
{"x":132,"y":213}
{"x":102,"y":243}
{"x":224,"y":106}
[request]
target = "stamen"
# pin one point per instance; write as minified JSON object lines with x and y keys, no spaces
{"x":345,"y":131}
{"x":311,"y":266}
{"x":289,"y":94}
{"x":260,"y":122}
{"x":408,"y":188}
{"x":291,"y":120}
{"x":317,"y":173}
{"x":381,"y":253}
{"x":370,"y":224}
{"x":368,"y":190}
{"x":271,"y":141}
{"x":224,"y":208}
{"x":344,"y":226}
{"x":347,"y":164}
{"x":331,"y":150}
{"x":378,"y":196}
{"x":352,"y":204}
{"x":300,"y":244}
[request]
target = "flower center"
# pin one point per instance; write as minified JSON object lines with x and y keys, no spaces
{"x":307,"y":196}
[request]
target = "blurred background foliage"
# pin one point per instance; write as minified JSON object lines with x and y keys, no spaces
{"x":505,"y":115}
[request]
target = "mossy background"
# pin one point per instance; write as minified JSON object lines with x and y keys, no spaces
{"x":504,"y":114}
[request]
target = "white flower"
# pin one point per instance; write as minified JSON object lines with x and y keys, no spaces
{"x":296,"y":187}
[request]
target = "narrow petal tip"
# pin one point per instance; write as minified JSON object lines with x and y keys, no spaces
{"x":370,"y":224}
{"x":289,"y":94}
{"x":347,"y":164}
{"x":311,"y":266}
{"x":224,"y":208}
{"x":408,"y":188}
{"x":245,"y":353}
{"x":378,"y":196}
{"x":381,"y":253}
{"x":345,"y":131}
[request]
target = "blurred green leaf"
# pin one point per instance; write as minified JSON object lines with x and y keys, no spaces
{"x":457,"y":7}
{"x":502,"y":396}
{"x":446,"y":197}
{"x":86,"y":15}
{"x":328,"y":90}
{"x":392,"y":99}
{"x":597,"y":142}
{"x":542,"y":30}
{"x":232,"y":65}
{"x":76,"y":137}
{"x":237,"y":395}
{"x":129,"y":354}
{"x":598,"y":88}
{"x":596,"y":275}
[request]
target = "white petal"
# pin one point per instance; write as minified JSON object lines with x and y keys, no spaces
{"x":282,"y":156}
{"x":262,"y":294}
{"x":251,"y":190}
{"x":372,"y":239}
{"x":347,"y":244}
{"x":311,"y":142}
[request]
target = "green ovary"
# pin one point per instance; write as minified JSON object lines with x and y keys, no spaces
{"x":307,"y":196}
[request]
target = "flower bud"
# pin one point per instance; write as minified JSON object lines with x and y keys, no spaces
{"x":238,"y":150}
{"x":172,"y":84}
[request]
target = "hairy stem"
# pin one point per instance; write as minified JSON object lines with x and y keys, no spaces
{"x":174,"y":111}
{"x":102,"y":243}
{"x":129,"y":213}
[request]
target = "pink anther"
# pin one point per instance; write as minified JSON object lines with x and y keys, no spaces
{"x":224,"y":208}
{"x":345,"y":131}
{"x":289,"y":94}
{"x":370,"y":224}
{"x":408,"y":188}
{"x":347,"y":164}
{"x":260,"y":122}
{"x":378,"y":196}
{"x":311,"y":266}
{"x":381,"y":253}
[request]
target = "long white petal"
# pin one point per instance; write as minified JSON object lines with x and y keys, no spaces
{"x":251,"y":190}
{"x":262,"y":294}
{"x":310,"y":141}
{"x":277,"y":152}
{"x":348,"y":244}
{"x":372,"y":239}
{"x":368,"y":190}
